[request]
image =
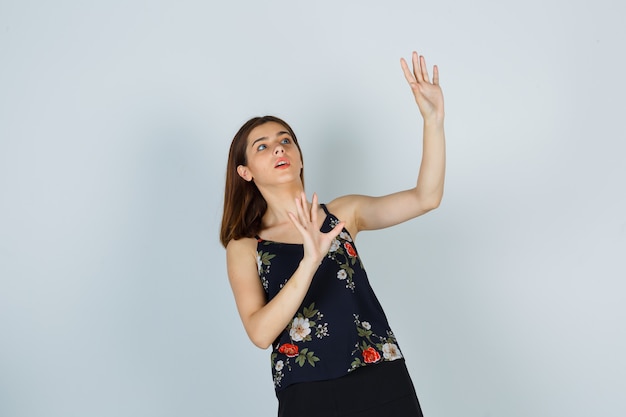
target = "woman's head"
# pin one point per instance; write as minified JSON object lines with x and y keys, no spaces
{"x":244,"y":205}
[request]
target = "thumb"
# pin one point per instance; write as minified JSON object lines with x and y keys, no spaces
{"x":337,"y":229}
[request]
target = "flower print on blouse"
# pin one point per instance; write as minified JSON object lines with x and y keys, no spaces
{"x":340,"y":325}
{"x":371,"y":344}
{"x":300,"y":330}
{"x":263,"y":264}
{"x":342,"y":251}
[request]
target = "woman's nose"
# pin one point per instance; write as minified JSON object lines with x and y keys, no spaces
{"x":278,"y":150}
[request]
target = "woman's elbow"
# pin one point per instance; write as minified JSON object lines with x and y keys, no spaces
{"x":435,"y":203}
{"x":431,"y":203}
{"x":427,"y":201}
{"x":262,"y":344}
{"x":260,"y":340}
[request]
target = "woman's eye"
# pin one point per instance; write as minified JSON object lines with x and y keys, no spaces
{"x":285,"y":141}
{"x":261,"y":147}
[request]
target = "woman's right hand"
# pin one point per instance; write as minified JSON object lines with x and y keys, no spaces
{"x":316,"y":242}
{"x":428,"y":95}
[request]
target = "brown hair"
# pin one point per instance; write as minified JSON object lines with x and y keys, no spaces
{"x":244,"y":206}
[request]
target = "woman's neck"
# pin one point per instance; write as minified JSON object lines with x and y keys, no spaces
{"x":280,"y":201}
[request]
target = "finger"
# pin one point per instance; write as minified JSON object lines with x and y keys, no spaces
{"x":424,"y":69}
{"x":296,"y":222}
{"x":337,"y":229}
{"x":435,"y":75}
{"x":304,"y":209}
{"x":407,"y":72}
{"x":314,"y":207}
{"x":416,"y":67}
{"x":300,"y":211}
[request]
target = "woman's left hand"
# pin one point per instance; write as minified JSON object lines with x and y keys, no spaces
{"x":428,"y":95}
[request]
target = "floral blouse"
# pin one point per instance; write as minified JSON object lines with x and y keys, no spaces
{"x":340,"y":325}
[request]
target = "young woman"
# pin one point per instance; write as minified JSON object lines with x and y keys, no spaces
{"x":296,"y":275}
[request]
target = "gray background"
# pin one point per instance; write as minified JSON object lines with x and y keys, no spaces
{"x":115,"y":122}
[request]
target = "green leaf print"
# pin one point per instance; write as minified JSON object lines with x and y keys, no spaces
{"x":363,"y":333}
{"x":312,"y":358}
{"x":301,"y":358}
{"x":364,"y":345}
{"x":309,"y":311}
{"x":266,"y":257}
{"x":356,"y":363}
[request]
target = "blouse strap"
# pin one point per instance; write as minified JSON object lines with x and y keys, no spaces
{"x":325,"y":209}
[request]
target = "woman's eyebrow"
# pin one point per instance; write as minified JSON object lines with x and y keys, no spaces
{"x":282,"y":132}
{"x":263,"y":138}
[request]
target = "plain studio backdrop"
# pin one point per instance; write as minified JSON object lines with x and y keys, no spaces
{"x":115,"y":122}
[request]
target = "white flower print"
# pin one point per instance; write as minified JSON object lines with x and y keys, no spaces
{"x":300,"y":329}
{"x":344,"y":253}
{"x":278,"y":378}
{"x":345,"y":236}
{"x":263,"y":263}
{"x":279,"y":366}
{"x":391,"y":352}
{"x":366,"y":325}
{"x":322,"y":330}
{"x":259,"y":263}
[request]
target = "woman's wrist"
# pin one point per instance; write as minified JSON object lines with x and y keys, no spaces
{"x":310,"y":265}
{"x":434,"y":122}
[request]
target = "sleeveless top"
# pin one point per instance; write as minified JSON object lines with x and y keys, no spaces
{"x":340,"y":325}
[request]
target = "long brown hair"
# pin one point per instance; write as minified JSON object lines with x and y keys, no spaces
{"x":244,"y":206}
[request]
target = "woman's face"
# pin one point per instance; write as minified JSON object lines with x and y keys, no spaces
{"x":272,"y":156}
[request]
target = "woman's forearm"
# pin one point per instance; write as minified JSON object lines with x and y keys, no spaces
{"x":430,"y":181}
{"x":267,"y":323}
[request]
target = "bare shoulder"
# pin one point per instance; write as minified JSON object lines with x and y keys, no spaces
{"x":243,"y":273}
{"x":347,"y":208}
{"x":240,"y":254}
{"x":243,"y":244}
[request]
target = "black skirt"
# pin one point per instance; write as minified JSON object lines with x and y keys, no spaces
{"x":381,"y":390}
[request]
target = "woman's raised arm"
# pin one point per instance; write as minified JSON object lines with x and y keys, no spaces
{"x":369,"y":213}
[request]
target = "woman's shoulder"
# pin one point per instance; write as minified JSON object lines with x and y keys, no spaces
{"x":346,"y":208}
{"x":241,"y":246}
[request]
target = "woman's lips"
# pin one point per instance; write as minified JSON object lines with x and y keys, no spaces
{"x":282,"y":163}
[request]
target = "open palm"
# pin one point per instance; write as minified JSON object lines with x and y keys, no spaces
{"x":428,"y":95}
{"x":316,"y":243}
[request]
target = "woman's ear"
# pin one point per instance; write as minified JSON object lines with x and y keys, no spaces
{"x":244,"y":172}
